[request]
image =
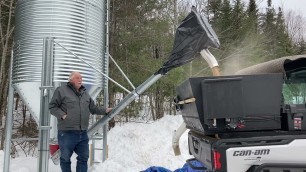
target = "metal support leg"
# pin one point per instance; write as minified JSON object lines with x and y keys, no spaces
{"x":104,"y":155}
{"x":105,"y":81}
{"x":9,"y":125}
{"x":44,"y":120}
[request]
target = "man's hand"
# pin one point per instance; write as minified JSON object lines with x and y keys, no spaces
{"x":108,"y":110}
{"x":64,"y":116}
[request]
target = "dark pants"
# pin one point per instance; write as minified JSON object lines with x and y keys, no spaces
{"x":73,"y":141}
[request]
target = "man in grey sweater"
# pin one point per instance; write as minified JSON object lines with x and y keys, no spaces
{"x":72,"y":105}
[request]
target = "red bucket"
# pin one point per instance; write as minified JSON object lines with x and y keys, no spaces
{"x":53,"y":148}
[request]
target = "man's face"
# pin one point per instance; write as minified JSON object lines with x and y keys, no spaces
{"x":76,"y":80}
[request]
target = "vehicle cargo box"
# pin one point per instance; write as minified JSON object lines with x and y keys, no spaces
{"x":232,"y":103}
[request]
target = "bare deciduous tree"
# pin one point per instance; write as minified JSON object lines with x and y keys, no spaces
{"x":6,"y":30}
{"x":296,"y":26}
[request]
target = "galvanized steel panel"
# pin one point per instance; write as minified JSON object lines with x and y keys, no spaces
{"x":78,"y":25}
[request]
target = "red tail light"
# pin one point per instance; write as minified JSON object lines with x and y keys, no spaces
{"x":217,"y":163}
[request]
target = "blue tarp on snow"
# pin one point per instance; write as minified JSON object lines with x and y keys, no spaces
{"x":156,"y":169}
{"x":192,"y":165}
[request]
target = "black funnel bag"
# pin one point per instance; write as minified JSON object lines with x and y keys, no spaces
{"x":231,"y":103}
{"x":193,"y":35}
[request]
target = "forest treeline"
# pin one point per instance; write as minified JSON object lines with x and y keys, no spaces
{"x":142,"y":35}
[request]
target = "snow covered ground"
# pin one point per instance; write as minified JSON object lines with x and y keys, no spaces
{"x":132,"y":147}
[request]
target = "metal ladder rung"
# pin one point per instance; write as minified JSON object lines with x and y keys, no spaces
{"x":97,"y":138}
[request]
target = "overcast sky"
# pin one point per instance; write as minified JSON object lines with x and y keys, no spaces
{"x":299,"y":6}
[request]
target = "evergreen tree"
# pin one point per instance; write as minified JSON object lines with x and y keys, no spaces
{"x":269,"y":20}
{"x":252,"y":16}
{"x":238,"y":19}
{"x":301,"y":47}
{"x":283,"y":43}
{"x":214,"y":8}
{"x":269,"y":30}
{"x":225,"y":22}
